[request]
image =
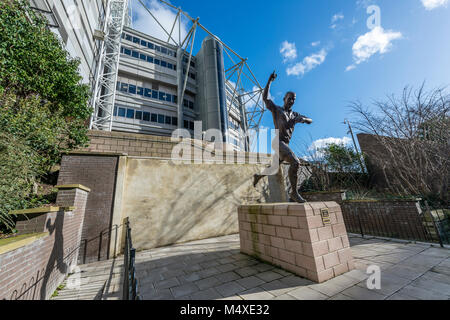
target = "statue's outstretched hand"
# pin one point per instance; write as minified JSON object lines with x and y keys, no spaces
{"x":307,"y":120}
{"x":273,"y":76}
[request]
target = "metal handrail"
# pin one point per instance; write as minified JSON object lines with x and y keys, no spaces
{"x":130,"y":281}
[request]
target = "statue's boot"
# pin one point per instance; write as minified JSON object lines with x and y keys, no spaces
{"x":296,"y":197}
{"x":256,"y":179}
{"x":293,"y":177}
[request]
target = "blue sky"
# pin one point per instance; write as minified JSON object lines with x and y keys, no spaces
{"x":331,"y":54}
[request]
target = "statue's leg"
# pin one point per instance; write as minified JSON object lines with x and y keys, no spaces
{"x":287,"y":155}
{"x":266,"y":172}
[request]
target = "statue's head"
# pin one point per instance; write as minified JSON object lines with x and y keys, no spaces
{"x":289,"y":100}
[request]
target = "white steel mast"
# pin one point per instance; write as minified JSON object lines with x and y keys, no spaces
{"x":108,"y":65}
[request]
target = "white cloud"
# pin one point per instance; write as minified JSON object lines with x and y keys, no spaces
{"x":433,"y":4}
{"x":308,"y":63}
{"x":315,"y":148}
{"x":144,"y":22}
{"x":337,"y":17}
{"x":375,"y":41}
{"x":315,"y":44}
{"x":288,"y":51}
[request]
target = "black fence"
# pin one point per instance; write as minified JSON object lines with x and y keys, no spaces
{"x":98,"y":248}
{"x":431,"y":225}
{"x":130,"y":282}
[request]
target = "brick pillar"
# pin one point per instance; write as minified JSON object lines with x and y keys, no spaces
{"x":309,"y":239}
{"x":33,"y":267}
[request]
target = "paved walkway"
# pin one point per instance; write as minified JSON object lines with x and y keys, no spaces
{"x":95,"y":281}
{"x":214,"y":269}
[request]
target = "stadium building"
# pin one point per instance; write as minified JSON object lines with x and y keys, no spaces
{"x":152,"y":94}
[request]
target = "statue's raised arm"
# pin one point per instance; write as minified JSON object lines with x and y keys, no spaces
{"x":269,"y":103}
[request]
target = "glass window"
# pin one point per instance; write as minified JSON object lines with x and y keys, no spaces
{"x":123,"y":35}
{"x":186,"y":124}
{"x":136,"y":40}
{"x":157,"y":48}
{"x":169,"y":65}
{"x":150,"y":45}
{"x":163,"y":64}
{"x":130,"y":113}
{"x":154,"y":117}
{"x":140,"y":91}
{"x":161,"y":118}
{"x":121,"y":49}
{"x":192,"y":64}
{"x":155,"y":94}
{"x":142,"y":57}
{"x":124,"y":87}
{"x":148,"y":93}
{"x":162,"y":96}
{"x":146,"y":116}
{"x":175,"y":99}
{"x":128,"y":37}
{"x":185,"y":103}
{"x":156,"y":61}
{"x":115,"y":111}
{"x":168,"y":120}
{"x":118,"y":85}
{"x":143,"y":43}
{"x":175,"y":121}
{"x":191,"y":125}
{"x":191,"y":105}
{"x":168,"y":97}
{"x":163,"y":50}
{"x":149,"y":59}
{"x":175,"y":67}
{"x":122,"y":112}
{"x":193,"y":76}
{"x":132,"y":89}
{"x":127,"y":52}
{"x":135,"y":54}
{"x":139,"y":115}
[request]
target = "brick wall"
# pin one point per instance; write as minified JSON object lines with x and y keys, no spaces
{"x":142,"y":145}
{"x":33,"y":272}
{"x":294,"y":237}
{"x":98,"y":173}
{"x":338,"y":196}
{"x":385,"y":218}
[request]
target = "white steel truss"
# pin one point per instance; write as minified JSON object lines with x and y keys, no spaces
{"x":108,"y":65}
{"x":238,"y":73}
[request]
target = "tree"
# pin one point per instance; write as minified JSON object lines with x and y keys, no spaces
{"x":413,"y":133}
{"x":43,"y":105}
{"x":341,"y":158}
{"x":335,"y":167}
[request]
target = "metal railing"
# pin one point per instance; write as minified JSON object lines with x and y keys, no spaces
{"x":432,"y":225}
{"x":130,"y":283}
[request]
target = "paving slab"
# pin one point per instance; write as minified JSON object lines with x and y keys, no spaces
{"x":306,"y":293}
{"x":360,"y":293}
{"x":215,"y":269}
{"x":256,"y":293}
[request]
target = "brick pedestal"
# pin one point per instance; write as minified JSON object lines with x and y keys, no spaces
{"x":300,"y":238}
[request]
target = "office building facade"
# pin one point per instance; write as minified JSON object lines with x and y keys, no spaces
{"x":151,"y":73}
{"x":151,"y":76}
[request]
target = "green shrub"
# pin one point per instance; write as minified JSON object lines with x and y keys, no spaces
{"x":43,"y":105}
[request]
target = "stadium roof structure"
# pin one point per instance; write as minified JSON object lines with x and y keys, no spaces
{"x":237,"y":70}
